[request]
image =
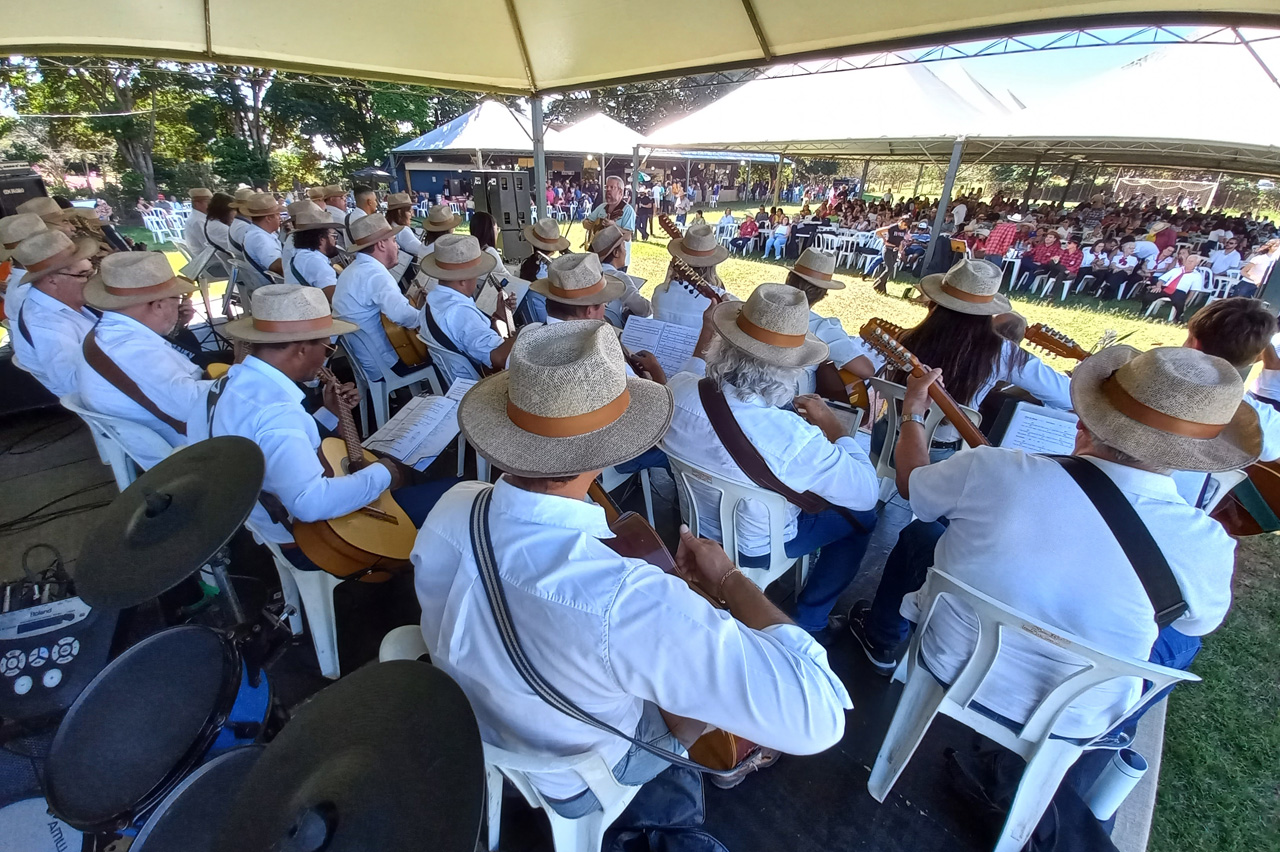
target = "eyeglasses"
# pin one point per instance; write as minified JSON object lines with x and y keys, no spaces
{"x":83,"y":276}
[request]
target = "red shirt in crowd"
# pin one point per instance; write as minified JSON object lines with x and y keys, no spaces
{"x":1000,"y":238}
{"x":1043,"y":252}
{"x":748,"y":228}
{"x":1071,"y":260}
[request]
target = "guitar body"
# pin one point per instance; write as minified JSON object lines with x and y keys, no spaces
{"x":1234,"y":513}
{"x":410,"y":349}
{"x":635,"y":539}
{"x":376,"y":539}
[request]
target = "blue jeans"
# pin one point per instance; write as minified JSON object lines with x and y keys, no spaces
{"x":775,"y":244}
{"x":635,"y":768}
{"x":843,"y":547}
{"x":652,"y":457}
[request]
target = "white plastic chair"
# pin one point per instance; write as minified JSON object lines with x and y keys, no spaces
{"x":585,"y":834}
{"x":730,"y":495}
{"x":381,"y":387}
{"x":1048,"y":758}
{"x":308,"y":593}
{"x":126,"y":447}
{"x":726,"y":232}
{"x":403,"y":643}
{"x":882,"y":457}
{"x":1160,"y":304}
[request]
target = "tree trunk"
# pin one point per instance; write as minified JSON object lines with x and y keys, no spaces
{"x":139,"y":156}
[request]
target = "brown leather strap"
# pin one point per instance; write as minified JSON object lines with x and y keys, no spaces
{"x":118,"y":379}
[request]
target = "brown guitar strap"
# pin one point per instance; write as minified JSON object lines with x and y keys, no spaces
{"x":748,"y":458}
{"x":118,"y":379}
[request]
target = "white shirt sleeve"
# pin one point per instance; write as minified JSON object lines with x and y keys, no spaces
{"x":1038,"y":378}
{"x":392,"y":302}
{"x":772,"y":686}
{"x":937,"y":489}
{"x":1269,"y":420}
{"x":470,"y":332}
{"x":840,"y":473}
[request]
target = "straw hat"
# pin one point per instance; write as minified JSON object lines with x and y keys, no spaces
{"x":1157,"y":227}
{"x":564,"y":405}
{"x":576,"y":279}
{"x":129,"y":278}
{"x":818,"y":268}
{"x":441,"y":218}
{"x":606,"y":240}
{"x":772,"y":325}
{"x":200,"y":193}
{"x":44,"y":207}
{"x":260,"y":204}
{"x":333,"y":191}
{"x":242,"y":196}
{"x":545,"y":234}
{"x":316,"y":193}
{"x":1172,"y":407}
{"x":970,"y":287}
{"x":288,"y":313}
{"x":457,"y":258}
{"x":398,"y":201}
{"x":368,"y":230}
{"x":698,"y":246}
{"x":49,"y":251}
{"x":306,"y":216}
{"x":14,"y":229}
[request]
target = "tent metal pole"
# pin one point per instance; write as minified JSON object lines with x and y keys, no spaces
{"x":915,"y":193}
{"x":1035,"y":172}
{"x":539,"y":156}
{"x":777,"y":181}
{"x":1071,"y":178}
{"x":866,"y":167}
{"x":1213,"y":195}
{"x":936,"y":238}
{"x":635,"y":175}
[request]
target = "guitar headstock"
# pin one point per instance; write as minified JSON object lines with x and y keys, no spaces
{"x":673,"y":231}
{"x":1054,"y":342}
{"x":882,"y":336}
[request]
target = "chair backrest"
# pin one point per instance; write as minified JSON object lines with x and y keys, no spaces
{"x":591,"y":767}
{"x":363,"y":355}
{"x":452,"y":365}
{"x":997,"y":622}
{"x":730,"y":494}
{"x":139,"y":445}
{"x":893,"y":394}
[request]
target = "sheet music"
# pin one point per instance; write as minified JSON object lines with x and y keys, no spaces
{"x":459,"y":389}
{"x":1037,"y":429}
{"x":672,"y":344}
{"x":418,"y":432}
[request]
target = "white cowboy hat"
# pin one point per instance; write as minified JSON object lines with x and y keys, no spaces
{"x":564,"y":405}
{"x":441,"y":218}
{"x":128,"y":278}
{"x":44,"y":207}
{"x":457,"y":257}
{"x":14,"y":229}
{"x":771,"y":325}
{"x":49,"y":251}
{"x":368,"y":230}
{"x":545,"y":234}
{"x":970,"y":287}
{"x":1171,"y":407}
{"x":698,"y":247}
{"x":818,"y":268}
{"x":288,"y":313}
{"x":577,"y":279}
{"x":306,"y":216}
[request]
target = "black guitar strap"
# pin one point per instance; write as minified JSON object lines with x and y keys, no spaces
{"x":443,"y":339}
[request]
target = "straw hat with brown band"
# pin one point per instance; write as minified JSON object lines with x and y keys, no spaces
{"x":457,"y":257}
{"x":606,"y":240}
{"x":14,"y":229}
{"x":288,"y":313}
{"x":1173,"y":408}
{"x":398,"y":201}
{"x":306,"y":216}
{"x":818,"y":268}
{"x":370,"y":229}
{"x":51,"y":251}
{"x":970,"y":287}
{"x":698,"y":247}
{"x":129,"y":278}
{"x":545,"y":235}
{"x":44,"y":207}
{"x":771,"y":325}
{"x":577,"y":279}
{"x":441,"y":218}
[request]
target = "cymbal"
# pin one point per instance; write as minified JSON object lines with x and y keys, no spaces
{"x":169,"y":522}
{"x":388,"y":758}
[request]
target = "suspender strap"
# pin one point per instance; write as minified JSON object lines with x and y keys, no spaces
{"x":748,"y":458}
{"x":296,"y":274}
{"x":118,"y":379}
{"x":22,"y":327}
{"x":346,"y":226}
{"x":1134,"y":538}
{"x":486,"y":562}
{"x":443,"y":339}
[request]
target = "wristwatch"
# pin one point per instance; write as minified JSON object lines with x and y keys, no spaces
{"x":913,"y":418}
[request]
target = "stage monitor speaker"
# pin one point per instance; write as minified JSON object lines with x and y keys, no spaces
{"x":504,"y":195}
{"x":18,"y":183}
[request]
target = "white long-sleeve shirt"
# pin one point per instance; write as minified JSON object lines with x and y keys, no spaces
{"x":261,"y":247}
{"x":260,"y":403}
{"x":365,"y":291}
{"x":467,"y":328}
{"x":193,"y":232}
{"x":47,"y":336}
{"x":607,"y":631}
{"x":311,"y":268}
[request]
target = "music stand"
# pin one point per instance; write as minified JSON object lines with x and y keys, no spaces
{"x":197,"y":269}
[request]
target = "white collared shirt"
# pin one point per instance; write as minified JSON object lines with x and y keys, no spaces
{"x":310,"y":268}
{"x":1070,"y":573}
{"x":630,"y":302}
{"x":14,"y":294}
{"x":610,"y":633}
{"x":1221,"y":260}
{"x":408,"y":242}
{"x":680,"y":303}
{"x":219,"y":235}
{"x":1121,"y":261}
{"x":465,"y":325}
{"x":261,"y":247}
{"x":237,"y":230}
{"x":842,"y":347}
{"x":364,"y":292}
{"x":193,"y":232}
{"x":1187,"y":281}
{"x":339,"y":217}
{"x":260,"y":403}
{"x":57,"y":332}
{"x":162,"y":373}
{"x":795,"y":450}
{"x":1146,"y":250}
{"x":1269,"y":420}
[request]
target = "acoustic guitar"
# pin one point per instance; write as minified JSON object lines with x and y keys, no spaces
{"x":1054,"y":342}
{"x":374,"y":541}
{"x":878,"y":335}
{"x":411,"y":351}
{"x":1253,"y":506}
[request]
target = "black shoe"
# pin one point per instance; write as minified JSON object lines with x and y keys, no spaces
{"x":883,"y":661}
{"x":827,"y":636}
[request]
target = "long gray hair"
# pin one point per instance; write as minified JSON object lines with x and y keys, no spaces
{"x":727,"y":364}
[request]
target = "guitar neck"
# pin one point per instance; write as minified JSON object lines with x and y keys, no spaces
{"x":346,"y":423}
{"x":602,"y":499}
{"x":952,"y":411}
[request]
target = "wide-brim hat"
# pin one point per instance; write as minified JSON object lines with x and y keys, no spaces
{"x":242,"y":196}
{"x":771,"y":325}
{"x":564,"y":405}
{"x":398,"y":201}
{"x":370,"y":229}
{"x":307,"y":216}
{"x":50,"y":251}
{"x":44,"y":207}
{"x":577,"y":279}
{"x":1171,"y":407}
{"x":457,"y":257}
{"x":970,"y":287}
{"x":16,"y":228}
{"x":441,"y":218}
{"x":316,"y":193}
{"x":818,"y":268}
{"x":288,"y":313}
{"x":1157,"y":227}
{"x":607,"y":239}
{"x":545,"y":234}
{"x":127,"y":278}
{"x":200,"y":193}
{"x":260,"y":204}
{"x":333,"y":191}
{"x":698,"y":247}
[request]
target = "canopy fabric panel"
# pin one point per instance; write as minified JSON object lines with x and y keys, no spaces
{"x":596,"y":134}
{"x":491,"y":126}
{"x":524,"y":46}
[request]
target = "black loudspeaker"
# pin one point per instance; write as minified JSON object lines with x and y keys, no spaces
{"x":18,"y":183}
{"x":455,"y":187}
{"x":504,"y":195}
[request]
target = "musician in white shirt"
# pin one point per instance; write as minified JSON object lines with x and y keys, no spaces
{"x":466,"y":336}
{"x":13,"y":230}
{"x":335,"y":201}
{"x":51,"y":325}
{"x":366,"y":202}
{"x":193,"y":231}
{"x":675,"y":299}
{"x":315,"y":244}
{"x":400,"y":212}
{"x":142,"y":301}
{"x":631,"y":644}
{"x":814,"y":275}
{"x":610,"y":246}
{"x":755,"y":353}
{"x":242,"y":223}
{"x":262,"y":239}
